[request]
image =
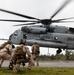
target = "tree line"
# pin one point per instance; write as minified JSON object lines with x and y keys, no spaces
{"x":68,"y":56}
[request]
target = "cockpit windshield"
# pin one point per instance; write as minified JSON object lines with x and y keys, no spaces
{"x":16,"y":33}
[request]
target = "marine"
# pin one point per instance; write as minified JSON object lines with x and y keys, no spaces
{"x":35,"y":52}
{"x":19,"y":56}
{"x":5,"y":51}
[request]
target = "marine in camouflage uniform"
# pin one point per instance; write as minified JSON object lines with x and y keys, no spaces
{"x":19,"y":56}
{"x":35,"y":52}
{"x":5,"y":51}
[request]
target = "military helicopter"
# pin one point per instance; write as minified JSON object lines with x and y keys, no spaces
{"x":42,"y":31}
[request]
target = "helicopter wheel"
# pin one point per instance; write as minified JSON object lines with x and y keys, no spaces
{"x":59,"y":51}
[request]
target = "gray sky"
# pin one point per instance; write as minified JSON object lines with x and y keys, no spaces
{"x":42,"y":9}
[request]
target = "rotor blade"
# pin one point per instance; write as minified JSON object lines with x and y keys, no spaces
{"x":64,"y":22}
{"x":64,"y":19}
{"x":21,"y":15}
{"x":16,"y":20}
{"x":24,"y":24}
{"x":67,"y":1}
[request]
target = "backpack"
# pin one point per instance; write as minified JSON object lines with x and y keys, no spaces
{"x":19,"y":53}
{"x":19,"y":50}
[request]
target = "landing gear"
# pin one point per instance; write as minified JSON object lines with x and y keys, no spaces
{"x":58,"y":51}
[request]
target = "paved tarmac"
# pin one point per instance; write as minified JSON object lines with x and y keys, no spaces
{"x":49,"y":64}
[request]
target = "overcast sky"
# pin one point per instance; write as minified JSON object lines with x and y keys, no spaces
{"x":42,"y":9}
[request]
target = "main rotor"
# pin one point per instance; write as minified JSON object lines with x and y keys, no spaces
{"x":33,"y":20}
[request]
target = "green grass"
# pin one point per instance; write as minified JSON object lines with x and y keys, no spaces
{"x":39,"y":71}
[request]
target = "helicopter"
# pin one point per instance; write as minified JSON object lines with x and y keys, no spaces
{"x":42,"y":31}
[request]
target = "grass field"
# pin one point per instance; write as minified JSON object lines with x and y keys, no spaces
{"x":39,"y":71}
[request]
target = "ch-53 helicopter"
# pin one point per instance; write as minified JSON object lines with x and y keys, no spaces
{"x":45,"y":34}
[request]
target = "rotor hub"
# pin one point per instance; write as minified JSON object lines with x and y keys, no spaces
{"x":46,"y":21}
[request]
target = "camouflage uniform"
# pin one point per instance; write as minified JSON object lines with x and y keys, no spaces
{"x":18,"y":59}
{"x":5,"y":53}
{"x":35,"y":52}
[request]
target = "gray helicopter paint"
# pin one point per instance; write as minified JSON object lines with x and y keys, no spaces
{"x":34,"y":30}
{"x":60,"y":29}
{"x":54,"y":40}
{"x":41,"y":28}
{"x":67,"y":39}
{"x":16,"y":36}
{"x":46,"y":43}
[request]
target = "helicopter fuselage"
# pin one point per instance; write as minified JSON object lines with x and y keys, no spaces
{"x":59,"y":37}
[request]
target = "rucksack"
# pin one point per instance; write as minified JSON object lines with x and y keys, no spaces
{"x":19,"y":50}
{"x":19,"y":53}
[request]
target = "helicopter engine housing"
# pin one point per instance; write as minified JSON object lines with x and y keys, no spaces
{"x":34,"y":30}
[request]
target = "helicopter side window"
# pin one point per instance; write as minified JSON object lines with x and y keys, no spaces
{"x":24,"y":36}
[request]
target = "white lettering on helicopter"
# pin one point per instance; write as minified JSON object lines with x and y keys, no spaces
{"x":44,"y":36}
{"x":47,"y":37}
{"x":70,"y":39}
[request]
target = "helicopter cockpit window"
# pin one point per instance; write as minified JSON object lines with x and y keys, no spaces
{"x":16,"y":33}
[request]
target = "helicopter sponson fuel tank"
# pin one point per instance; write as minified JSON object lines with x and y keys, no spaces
{"x":47,"y":44}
